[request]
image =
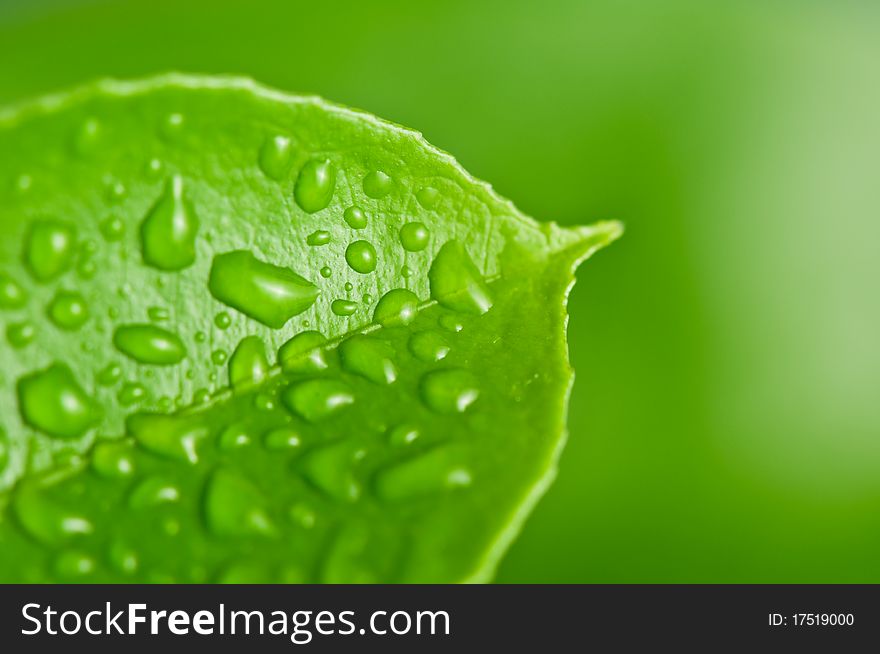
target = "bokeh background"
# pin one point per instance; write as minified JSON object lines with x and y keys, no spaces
{"x":725,"y":422}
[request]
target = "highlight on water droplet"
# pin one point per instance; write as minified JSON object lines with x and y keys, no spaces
{"x":112,"y":229}
{"x":397,"y":307}
{"x":168,"y":233}
{"x":52,"y":401}
{"x":149,"y":344}
{"x":315,"y":185}
{"x":248,"y":365}
{"x":361,"y":257}
{"x":449,"y":391}
{"x":318,"y":238}
{"x":428,"y":346}
{"x":355,"y":217}
{"x":275,"y":156}
{"x":317,"y":399}
{"x":68,"y":310}
{"x":303,"y":353}
{"x":49,"y":249}
{"x":172,"y":125}
{"x":414,"y":237}
{"x":12,"y":295}
{"x":269,"y":294}
{"x":87,"y":136}
{"x":343,"y":307}
{"x":368,"y":357}
{"x":377,"y":184}
{"x":456,"y":283}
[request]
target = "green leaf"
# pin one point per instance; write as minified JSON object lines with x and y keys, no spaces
{"x":253,"y":336}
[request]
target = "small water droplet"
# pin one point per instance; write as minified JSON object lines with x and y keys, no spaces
{"x":154,"y":168}
{"x":168,"y":233}
{"x":428,"y":346}
{"x":355,"y":217}
{"x":113,"y":460}
{"x":361,"y":257}
{"x":23,"y":183}
{"x":315,"y":185}
{"x":86,"y":269}
{"x":131,"y":393}
{"x":20,"y":334}
{"x":326,"y":272}
{"x":149,"y":344}
{"x":414,"y":237}
{"x":72,"y":564}
{"x":456,"y":283}
{"x":12,"y":295}
{"x":200,"y":337}
{"x":68,"y":310}
{"x":115,"y":190}
{"x":403,"y":435}
{"x":201,"y":396}
{"x":330,"y":469}
{"x":301,"y":514}
{"x":406,"y":272}
{"x":152,"y":492}
{"x":248,"y":365}
{"x":369,"y":358}
{"x":317,"y":399}
{"x":435,"y":471}
{"x":165,"y":404}
{"x":233,"y":438}
{"x":266,"y":293}
{"x":264,"y":402}
{"x":428,"y":197}
{"x":218,"y":357}
{"x":303,"y":353}
{"x":234,"y":507}
{"x":397,"y":307}
{"x":275,"y":157}
{"x":222,"y":320}
{"x":169,"y":436}
{"x":87,"y":136}
{"x":53,"y":402}
{"x":449,"y":391}
{"x":320,"y":237}
{"x":451,"y":323}
{"x":172,"y":126}
{"x":158,"y":314}
{"x":283,"y":438}
{"x":122,"y":558}
{"x":348,"y":287}
{"x":377,"y":184}
{"x":343,"y":307}
{"x":109,"y":375}
{"x":49,"y":249}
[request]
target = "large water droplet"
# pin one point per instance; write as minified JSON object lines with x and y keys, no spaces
{"x":331,"y":470}
{"x":248,"y":365}
{"x":435,"y":471}
{"x":396,"y":307}
{"x":369,"y":358}
{"x":303,"y":353}
{"x":68,"y":310}
{"x":428,"y":346}
{"x":52,"y":401}
{"x":149,"y":344}
{"x":317,"y":399}
{"x":20,"y":334}
{"x":449,"y":391}
{"x":414,"y":237}
{"x":315,"y":185}
{"x":456,"y":283}
{"x":44,"y":519}
{"x":234,"y":507}
{"x":12,"y":295}
{"x":355,"y":217}
{"x":49,"y":249}
{"x":266,"y":293}
{"x":168,"y":233}
{"x":361,"y":257}
{"x":169,"y":436}
{"x":377,"y":184}
{"x":343,"y":307}
{"x":275,"y":157}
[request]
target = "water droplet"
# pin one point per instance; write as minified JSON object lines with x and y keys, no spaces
{"x":115,"y":190}
{"x":315,"y":185}
{"x":320,"y":237}
{"x":361,"y":257}
{"x":301,"y":514}
{"x":200,"y":337}
{"x":12,"y":295}
{"x":428,"y":346}
{"x":248,"y":365}
{"x":369,"y":358}
{"x":131,"y":393}
{"x":113,"y":460}
{"x":234,"y":507}
{"x":72,"y":564}
{"x":264,"y":402}
{"x":218,"y":357}
{"x":168,"y":436}
{"x":222,"y":320}
{"x":154,"y":168}
{"x":266,"y":293}
{"x":326,"y":272}
{"x":165,"y":404}
{"x":449,"y":391}
{"x":403,"y":435}
{"x":168,"y":233}
{"x":428,"y":197}
{"x":149,"y":345}
{"x":406,"y":272}
{"x":330,"y":469}
{"x":158,"y":314}
{"x":451,"y":323}
{"x":152,"y":492}
{"x":414,"y":237}
{"x":20,"y":334}
{"x":355,"y":217}
{"x":45,"y":520}
{"x":87,"y":136}
{"x":109,"y":375}
{"x":343,"y":307}
{"x":233,"y":438}
{"x":49,"y":249}
{"x":432,"y":472}
{"x":86,"y":269}
{"x":201,"y":396}
{"x":456,"y":283}
{"x":122,"y":558}
{"x":317,"y":399}
{"x":303,"y":353}
{"x":348,"y":287}
{"x":52,"y":401}
{"x":172,"y":126}
{"x":275,"y":157}
{"x":377,"y":184}
{"x":68,"y":310}
{"x":283,"y":438}
{"x":396,"y":307}
{"x":23,"y":183}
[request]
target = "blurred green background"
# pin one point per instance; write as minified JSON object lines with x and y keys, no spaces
{"x":725,"y":423}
